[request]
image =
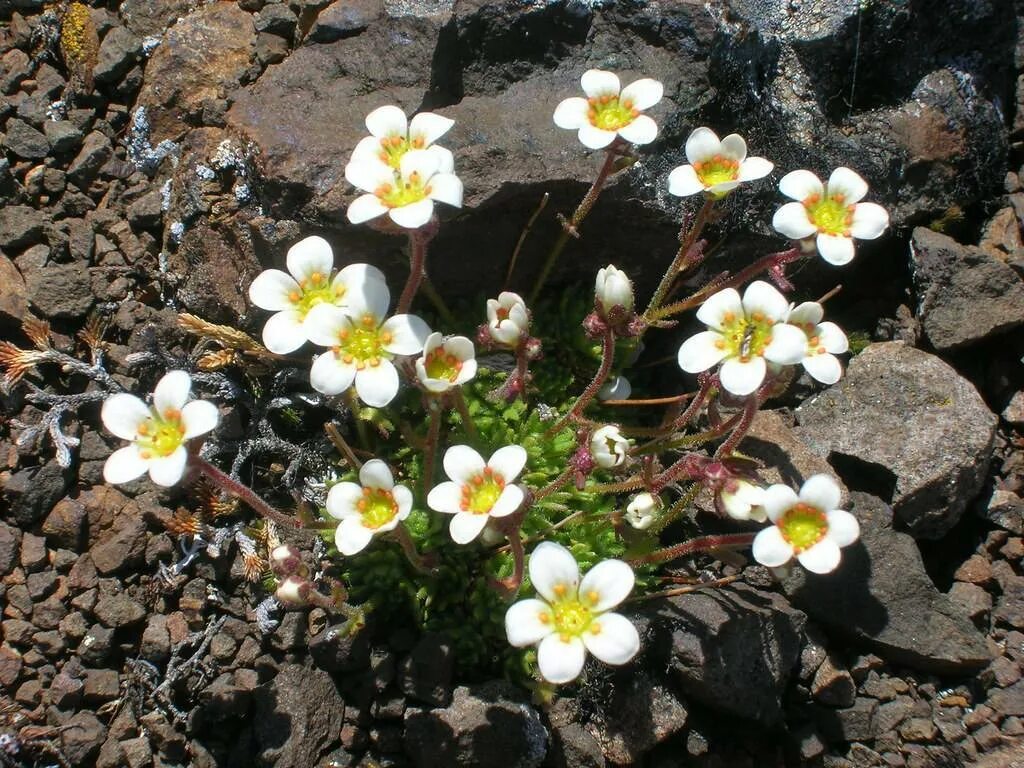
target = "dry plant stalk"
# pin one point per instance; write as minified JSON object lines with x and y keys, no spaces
{"x":79,"y":45}
{"x":231,"y":339}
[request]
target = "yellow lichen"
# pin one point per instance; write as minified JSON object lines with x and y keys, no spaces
{"x":79,"y":45}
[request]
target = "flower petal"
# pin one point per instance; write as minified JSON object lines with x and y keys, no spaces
{"x":722,"y":187}
{"x":414,"y":215}
{"x":848,"y":184}
{"x":420,"y":162}
{"x":524,"y":624}
{"x":429,"y":126}
{"x":571,"y":114}
{"x":445,"y":158}
{"x":408,"y":334}
{"x":641,"y":130}
{"x":466,"y":526}
{"x":843,"y":527}
{"x":377,"y":385}
{"x":376,"y":474}
{"x":735,"y":148}
{"x":324,"y":324}
{"x":832,"y":338}
{"x":742,"y":378}
{"x":777,"y":500}
{"x":167,"y":470}
{"x":869,"y":221}
{"x":271,"y":290}
{"x":616,"y":640}
{"x":643,"y":93}
{"x":606,"y":585}
{"x":364,"y":208}
{"x":462,"y":463}
{"x":765,"y":298}
{"x":309,"y":255}
{"x":284,"y":332}
{"x":508,"y":462}
{"x":342,"y":500}
{"x":447,"y":188}
{"x":508,"y":502}
{"x":718,"y":306}
{"x":560,"y":661}
{"x":404,"y":500}
{"x":683,"y":181}
{"x":823,"y":557}
{"x":823,"y":367}
{"x":446,"y":497}
{"x":702,"y":351}
{"x":792,"y":221}
{"x":352,"y":536}
{"x":369,"y":175}
{"x":754,"y":168}
{"x":355,"y":276}
{"x":367,"y":149}
{"x":799,"y":185}
{"x":740,"y":502}
{"x":835,"y":249}
{"x":388,"y":120}
{"x":122,"y":414}
{"x":372,"y":297}
{"x":806,"y":313}
{"x":198,"y":418}
{"x":770,"y":548}
{"x":124,"y":465}
{"x":330,"y":375}
{"x":593,"y":137}
{"x":172,"y":392}
{"x":821,"y":491}
{"x":598,"y":82}
{"x":702,"y":144}
{"x":553,"y":571}
{"x":788,"y":345}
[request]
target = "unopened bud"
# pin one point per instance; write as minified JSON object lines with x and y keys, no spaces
{"x":507,"y":318}
{"x":293,"y":592}
{"x":643,"y":510}
{"x":285,"y":560}
{"x":608,"y":447}
{"x":613,"y":289}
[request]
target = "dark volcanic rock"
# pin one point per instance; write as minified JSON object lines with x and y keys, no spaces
{"x":13,"y":294}
{"x":426,"y":674}
{"x":118,"y":53}
{"x":881,"y":595}
{"x":25,"y":141}
{"x":20,"y":225}
{"x":906,"y":426}
{"x":61,"y":290}
{"x":32,"y":492}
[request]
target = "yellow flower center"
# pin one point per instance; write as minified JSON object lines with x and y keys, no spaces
{"x":717,"y":170}
{"x":572,"y":614}
{"x":803,"y":526}
{"x":377,"y":507}
{"x":392,"y":148}
{"x":482,"y":491}
{"x":745,"y":336}
{"x":363,"y":343}
{"x":610,"y":114}
{"x":160,"y":435}
{"x":403,"y":192}
{"x":830,"y":214}
{"x":442,"y":365}
{"x":313,"y":290}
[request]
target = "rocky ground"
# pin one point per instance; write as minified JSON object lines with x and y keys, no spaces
{"x":179,"y":146}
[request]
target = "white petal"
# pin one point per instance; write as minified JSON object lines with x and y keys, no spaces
{"x":367,"y":150}
{"x":714,"y":311}
{"x":462,"y":463}
{"x":388,"y":120}
{"x":755,"y":168}
{"x":364,"y":208}
{"x":124,"y":465}
{"x":414,"y":215}
{"x":172,"y":392}
{"x":167,"y":470}
{"x":467,"y":372}
{"x":199,"y":417}
{"x":771,"y":549}
{"x":820,"y":491}
{"x":806,"y":313}
{"x":508,"y":462}
{"x":823,"y":557}
{"x":722,"y":187}
{"x":342,"y":500}
{"x":372,"y":297}
{"x":642,"y":130}
{"x":354,"y":277}
{"x":560,"y":662}
{"x":683,"y":181}
{"x":122,"y":414}
{"x":446,"y":497}
{"x":850,"y":185}
{"x":742,"y":378}
{"x":508,"y":502}
{"x":835,"y":249}
{"x":606,"y":585}
{"x":418,"y":161}
{"x":593,"y":137}
{"x":445,"y":158}
{"x":461,"y":347}
{"x":869,"y":221}
{"x":699,"y":352}
{"x":765,"y":298}
{"x":331,"y":376}
{"x":446,"y":188}
{"x":312,"y":254}
{"x":799,"y":185}
{"x":271,"y":290}
{"x":352,"y":536}
{"x":792,"y":221}
{"x":376,"y":474}
{"x":843,"y":527}
{"x":466,"y":526}
{"x":788,"y":345}
{"x":523,"y":623}
{"x":616,"y":641}
{"x":777,"y":500}
{"x":369,"y":176}
{"x":377,"y":385}
{"x":553,"y":571}
{"x":598,"y":82}
{"x":616,"y":388}
{"x":735,"y":148}
{"x":403,"y":498}
{"x":740,"y":501}
{"x":324,"y":324}
{"x":832,"y":338}
{"x":284,"y":332}
{"x":702,"y":144}
{"x":408,"y":334}
{"x":642,"y":94}
{"x":572,"y":113}
{"x":429,"y":127}
{"x":823,"y":367}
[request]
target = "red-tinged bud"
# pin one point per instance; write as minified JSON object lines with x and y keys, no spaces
{"x":285,"y":560}
{"x":293,"y":592}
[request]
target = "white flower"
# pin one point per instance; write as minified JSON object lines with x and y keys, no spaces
{"x":742,"y":499}
{"x":446,"y":363}
{"x":610,"y":110}
{"x":507,"y":318}
{"x":743,"y":333}
{"x":809,"y":526}
{"x":293,"y":592}
{"x":613,"y":288}
{"x":406,"y":195}
{"x":642,"y":510}
{"x":477,"y":490}
{"x":824,"y":342}
{"x":158,"y":432}
{"x":830,"y":213}
{"x":573,"y":616}
{"x":362,"y":344}
{"x":616,"y":388}
{"x":291,"y":296}
{"x":392,"y":135}
{"x":374,"y":505}
{"x":716,"y":166}
{"x":608,"y":447}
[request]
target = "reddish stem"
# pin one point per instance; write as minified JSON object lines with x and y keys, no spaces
{"x":701,"y":544}
{"x":242,"y":492}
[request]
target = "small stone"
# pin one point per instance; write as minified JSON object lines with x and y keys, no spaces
{"x":315,"y":711}
{"x":975,"y":601}
{"x":975,"y":570}
{"x":25,"y":141}
{"x":988,"y":737}
{"x":65,"y":691}
{"x":65,"y":525}
{"x":96,"y":150}
{"x":117,"y":611}
{"x":271,"y":49}
{"x":96,"y":645}
{"x":33,"y":552}
{"x":118,"y":53}
{"x":277,"y":19}
{"x":101,"y":685}
{"x":1006,"y":672}
{"x":146,"y":211}
{"x":918,"y":729}
{"x":137,"y":752}
{"x":61,"y":291}
{"x":1005,"y":509}
{"x":81,"y":738}
{"x":892,"y":713}
{"x":1012,"y":726}
{"x":63,"y":136}
{"x":1013,"y":413}
{"x":833,"y":684}
{"x":978,"y":717}
{"x":11,"y":664}
{"x":20,"y":226}
{"x":1008,"y":701}
{"x":426,"y":674}
{"x":343,"y":18}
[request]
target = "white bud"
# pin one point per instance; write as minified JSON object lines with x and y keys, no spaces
{"x":643,"y":510}
{"x":507,"y":318}
{"x":285,"y":559}
{"x":293,"y":592}
{"x":608,"y":447}
{"x":613,"y":289}
{"x":742,"y":501}
{"x":618,"y":388}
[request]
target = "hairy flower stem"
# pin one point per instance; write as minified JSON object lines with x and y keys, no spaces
{"x":740,"y":430}
{"x":418,"y":240}
{"x":430,"y":445}
{"x":464,"y":415}
{"x":633,"y":484}
{"x":701,"y":544}
{"x":510,"y":586}
{"x":588,"y":394}
{"x":675,"y":591}
{"x":555,"y":484}
{"x":612,"y":153}
{"x":687,"y":237}
{"x":421,"y":563}
{"x":242,"y":492}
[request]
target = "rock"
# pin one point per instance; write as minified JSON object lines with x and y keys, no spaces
{"x":906,"y":426}
{"x":786,"y":457}
{"x":1009,"y":701}
{"x":13,"y":294}
{"x":833,"y":685}
{"x":147,"y":211}
{"x":200,"y":61}
{"x":25,"y":141}
{"x":1013,"y":413}
{"x":32,"y":492}
{"x":95,"y":151}
{"x":151,"y":17}
{"x":270,"y":49}
{"x":124,"y":545}
{"x":101,"y":685}
{"x":485,"y":725}
{"x":1002,"y":236}
{"x":972,"y":599}
{"x":426,"y":673}
{"x":964,"y":294}
{"x":852,"y":723}
{"x":277,"y":19}
{"x":118,"y":53}
{"x":81,"y":738}
{"x":63,"y":135}
{"x":65,"y":525}
{"x":342,"y":18}
{"x":10,"y":546}
{"x":881,"y":595}
{"x":703,"y":641}
{"x":1005,"y":509}
{"x":61,"y":290}
{"x":156,"y":640}
{"x":296,"y":717}
{"x":20,"y":225}
{"x":336,"y":649}
{"x":117,"y":611}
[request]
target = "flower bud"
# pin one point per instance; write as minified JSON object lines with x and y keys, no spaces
{"x":742,"y":500}
{"x":507,"y":318}
{"x":643,"y":510}
{"x":613,"y":289}
{"x":608,"y":447}
{"x":617,"y":388}
{"x":285,"y":560}
{"x":293,"y":592}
